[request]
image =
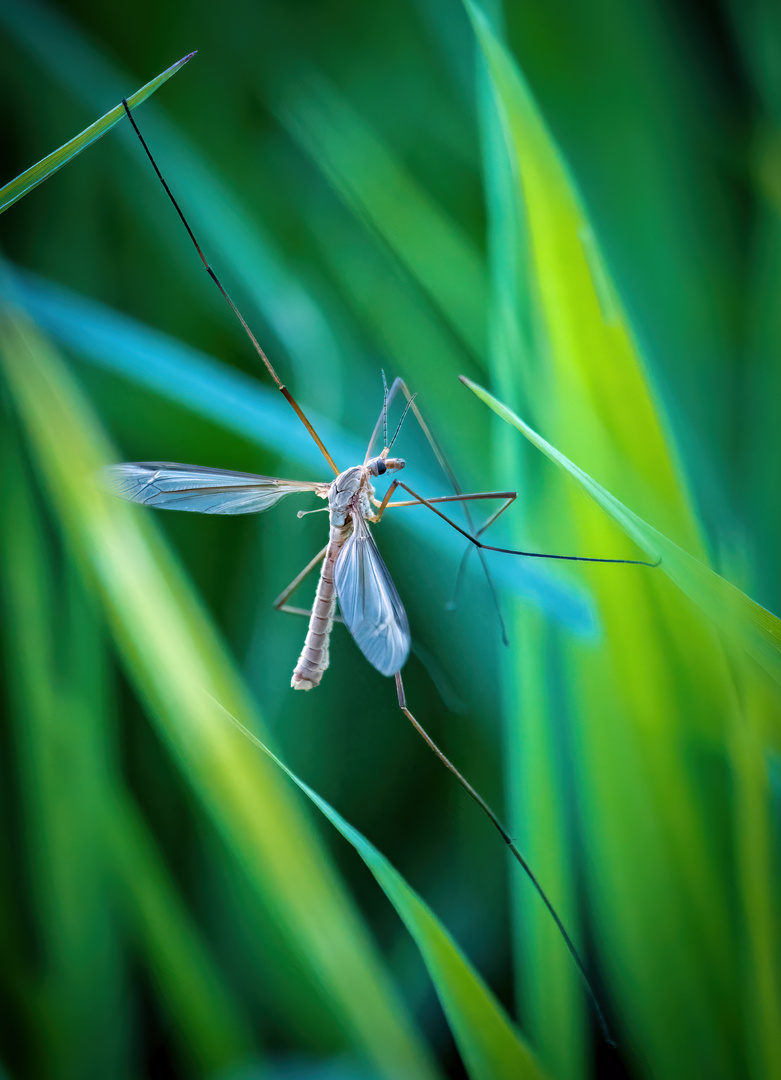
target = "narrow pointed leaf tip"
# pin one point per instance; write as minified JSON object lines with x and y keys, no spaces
{"x":742,"y":621}
{"x":36,"y":174}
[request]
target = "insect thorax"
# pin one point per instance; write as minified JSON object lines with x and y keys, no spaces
{"x":350,"y":494}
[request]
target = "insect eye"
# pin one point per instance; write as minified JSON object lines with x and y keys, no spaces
{"x":378,"y":467}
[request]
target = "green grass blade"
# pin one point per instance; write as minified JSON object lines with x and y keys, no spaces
{"x":741,"y":620}
{"x":90,"y":836}
{"x":212,"y":1031}
{"x":489,"y":1046}
{"x":225,"y":223}
{"x":36,"y":174}
{"x":65,"y":764}
{"x":598,"y":391}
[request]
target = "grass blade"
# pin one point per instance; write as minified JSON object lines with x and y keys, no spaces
{"x":36,"y":174}
{"x":739,"y":618}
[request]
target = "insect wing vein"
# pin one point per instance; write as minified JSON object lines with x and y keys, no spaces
{"x":169,"y":486}
{"x":370,"y":605}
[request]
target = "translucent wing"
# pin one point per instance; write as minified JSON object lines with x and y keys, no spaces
{"x":369,"y":603}
{"x":169,"y":486}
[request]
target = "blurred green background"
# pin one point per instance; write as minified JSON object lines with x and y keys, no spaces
{"x":350,"y":177}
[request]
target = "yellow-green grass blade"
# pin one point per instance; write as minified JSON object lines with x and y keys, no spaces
{"x":36,"y":174}
{"x":93,"y":836}
{"x":741,"y":620}
{"x":491,"y":1049}
{"x":383,"y":194}
{"x":174,"y":657}
{"x":660,"y":681}
{"x":548,"y":986}
{"x":595,"y":391}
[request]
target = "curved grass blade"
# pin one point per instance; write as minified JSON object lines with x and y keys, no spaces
{"x":595,"y":393}
{"x":82,"y":830}
{"x":488,"y":1044}
{"x":36,"y":174}
{"x":739,"y":618}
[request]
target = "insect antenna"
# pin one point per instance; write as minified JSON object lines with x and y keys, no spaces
{"x":384,"y":413}
{"x":256,"y":344}
{"x":407,"y":407}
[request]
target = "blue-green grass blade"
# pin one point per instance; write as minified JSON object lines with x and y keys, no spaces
{"x":36,"y":174}
{"x":244,"y":406}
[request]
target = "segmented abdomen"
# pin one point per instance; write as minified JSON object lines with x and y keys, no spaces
{"x":313,"y":660}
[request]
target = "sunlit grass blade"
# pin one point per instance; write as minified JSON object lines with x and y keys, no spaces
{"x":596,"y":390}
{"x":36,"y":174}
{"x":174,"y":657}
{"x":738,"y":617}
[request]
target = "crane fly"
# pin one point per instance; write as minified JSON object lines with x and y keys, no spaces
{"x":352,"y":566}
{"x":353,"y":572}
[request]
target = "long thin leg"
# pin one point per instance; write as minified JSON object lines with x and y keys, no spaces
{"x":509,"y":496}
{"x":493,"y":817}
{"x":280,"y":603}
{"x":506,"y":551}
{"x":468,"y":550}
{"x":283,"y":389}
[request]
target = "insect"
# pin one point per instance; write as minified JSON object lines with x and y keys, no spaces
{"x":352,"y":571}
{"x":352,"y":566}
